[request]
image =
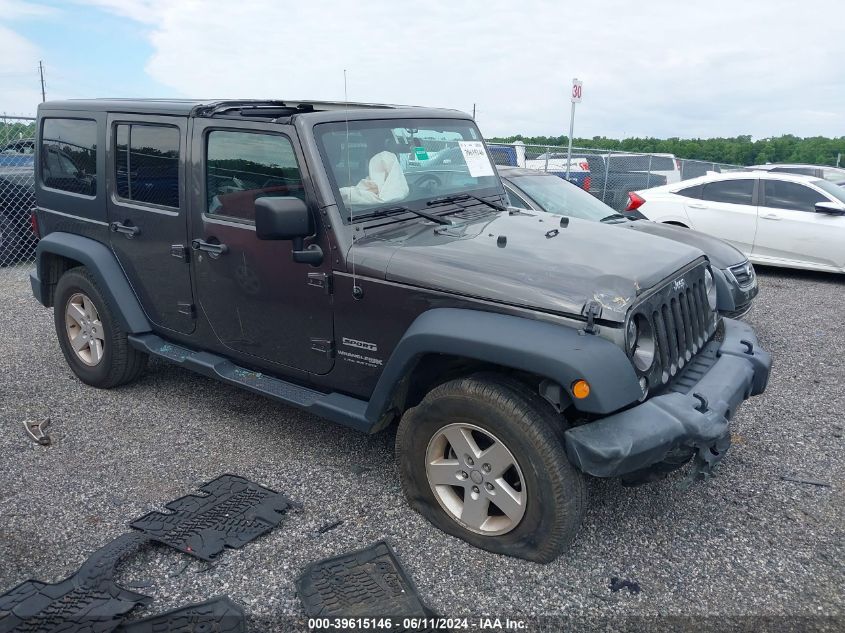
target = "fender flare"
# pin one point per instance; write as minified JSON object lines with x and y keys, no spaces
{"x":103,"y":266}
{"x":552,"y":351}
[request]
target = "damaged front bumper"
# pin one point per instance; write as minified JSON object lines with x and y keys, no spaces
{"x":694,"y":412}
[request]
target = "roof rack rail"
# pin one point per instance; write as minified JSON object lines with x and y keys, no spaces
{"x":219,"y":107}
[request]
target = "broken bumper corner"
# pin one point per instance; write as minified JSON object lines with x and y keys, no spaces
{"x":689,"y":414}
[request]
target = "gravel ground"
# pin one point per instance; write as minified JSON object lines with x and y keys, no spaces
{"x":743,"y":543}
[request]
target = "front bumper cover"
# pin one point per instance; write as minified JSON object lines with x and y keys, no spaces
{"x":694,"y":412}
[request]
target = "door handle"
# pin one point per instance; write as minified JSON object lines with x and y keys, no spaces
{"x":128,"y":230}
{"x":697,"y":205}
{"x":771,"y":216}
{"x":213,"y":250}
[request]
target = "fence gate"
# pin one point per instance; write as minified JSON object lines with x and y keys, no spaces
{"x":17,"y":170}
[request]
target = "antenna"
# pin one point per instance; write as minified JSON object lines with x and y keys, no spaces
{"x":41,"y":71}
{"x":357,"y":293}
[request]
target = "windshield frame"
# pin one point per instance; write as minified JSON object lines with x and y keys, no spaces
{"x":371,"y":213}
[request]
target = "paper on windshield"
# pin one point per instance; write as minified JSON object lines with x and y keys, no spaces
{"x":476,"y":158}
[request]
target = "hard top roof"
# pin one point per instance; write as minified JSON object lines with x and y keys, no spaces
{"x":247,"y":108}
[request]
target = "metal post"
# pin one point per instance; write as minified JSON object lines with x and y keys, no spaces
{"x":838,"y":156}
{"x":547,"y":158}
{"x":41,"y":72}
{"x":648,"y":178}
{"x":571,"y":128}
{"x":606,"y":174}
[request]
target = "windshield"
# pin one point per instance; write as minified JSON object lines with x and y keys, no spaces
{"x":404,"y":162}
{"x":834,"y":190}
{"x":557,"y":196}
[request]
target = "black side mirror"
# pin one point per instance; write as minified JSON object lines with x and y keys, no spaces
{"x":287,"y":219}
{"x":830,"y":207}
{"x":281,"y":219}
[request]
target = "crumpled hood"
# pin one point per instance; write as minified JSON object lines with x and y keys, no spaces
{"x":721,"y":254}
{"x":586,"y":261}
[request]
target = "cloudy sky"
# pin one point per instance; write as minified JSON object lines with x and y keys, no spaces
{"x":650,"y":68}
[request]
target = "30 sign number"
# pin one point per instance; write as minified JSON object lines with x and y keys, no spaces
{"x":576,"y":90}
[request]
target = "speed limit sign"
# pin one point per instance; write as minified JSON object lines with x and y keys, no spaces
{"x":576,"y":90}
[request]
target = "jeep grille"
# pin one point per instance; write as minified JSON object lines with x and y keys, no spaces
{"x":682,"y":323}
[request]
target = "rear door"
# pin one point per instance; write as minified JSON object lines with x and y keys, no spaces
{"x":727,"y":210}
{"x":791,"y":231}
{"x":147,"y":214}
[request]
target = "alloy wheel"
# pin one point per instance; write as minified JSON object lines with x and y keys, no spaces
{"x":84,"y":329}
{"x":475,"y":479}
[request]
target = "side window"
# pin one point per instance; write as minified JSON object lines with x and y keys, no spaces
{"x":243,"y":166}
{"x":147,"y":163}
{"x":780,"y":194}
{"x":514,"y":200}
{"x":731,"y":191}
{"x":69,"y":155}
{"x":691,"y":192}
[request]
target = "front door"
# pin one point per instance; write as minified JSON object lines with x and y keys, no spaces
{"x":147,"y":214}
{"x":260,"y":303}
{"x":791,"y":231}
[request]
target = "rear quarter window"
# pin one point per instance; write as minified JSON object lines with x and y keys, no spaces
{"x":69,"y":155}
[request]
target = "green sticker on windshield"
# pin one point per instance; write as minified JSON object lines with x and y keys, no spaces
{"x":420,"y":153}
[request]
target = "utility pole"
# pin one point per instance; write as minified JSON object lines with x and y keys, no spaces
{"x":41,"y":71}
{"x":473,"y":112}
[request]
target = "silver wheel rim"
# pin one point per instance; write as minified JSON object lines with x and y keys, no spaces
{"x":84,"y":329}
{"x":475,"y":479}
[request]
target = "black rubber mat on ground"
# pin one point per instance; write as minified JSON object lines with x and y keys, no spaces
{"x":89,"y":601}
{"x":233,"y":512}
{"x":368,"y":583}
{"x":218,"y":615}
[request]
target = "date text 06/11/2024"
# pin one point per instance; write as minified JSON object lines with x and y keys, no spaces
{"x":445,"y":624}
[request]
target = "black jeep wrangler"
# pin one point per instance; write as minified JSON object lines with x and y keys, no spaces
{"x":319,"y":254}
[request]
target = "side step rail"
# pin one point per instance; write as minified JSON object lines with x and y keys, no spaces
{"x":333,"y":406}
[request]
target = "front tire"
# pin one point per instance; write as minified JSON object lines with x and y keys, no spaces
{"x":94,"y":344}
{"x":482,"y":458}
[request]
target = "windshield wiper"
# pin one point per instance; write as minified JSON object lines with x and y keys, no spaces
{"x":423,"y":214}
{"x":613,"y":216}
{"x":466,"y":196}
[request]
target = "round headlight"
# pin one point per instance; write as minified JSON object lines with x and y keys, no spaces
{"x":710,"y":287}
{"x":642,"y":351}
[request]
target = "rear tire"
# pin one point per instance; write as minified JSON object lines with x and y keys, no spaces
{"x":94,"y":344}
{"x":497,"y":419}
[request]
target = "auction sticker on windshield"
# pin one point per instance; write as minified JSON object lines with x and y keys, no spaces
{"x":476,"y":158}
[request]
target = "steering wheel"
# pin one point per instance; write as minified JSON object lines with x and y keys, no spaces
{"x":428,"y":184}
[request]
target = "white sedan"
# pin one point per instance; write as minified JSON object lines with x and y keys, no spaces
{"x":776,"y":219}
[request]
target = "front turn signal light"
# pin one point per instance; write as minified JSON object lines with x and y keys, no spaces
{"x":580,"y":389}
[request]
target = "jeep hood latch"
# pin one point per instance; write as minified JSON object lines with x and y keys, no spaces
{"x":592,"y":311}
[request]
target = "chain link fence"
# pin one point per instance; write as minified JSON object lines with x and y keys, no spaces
{"x":17,"y":170}
{"x":609,"y":175}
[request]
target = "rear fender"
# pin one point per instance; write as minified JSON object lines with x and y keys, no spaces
{"x":99,"y":260}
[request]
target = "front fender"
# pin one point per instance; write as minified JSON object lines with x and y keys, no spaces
{"x":555,"y":352}
{"x":99,"y":260}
